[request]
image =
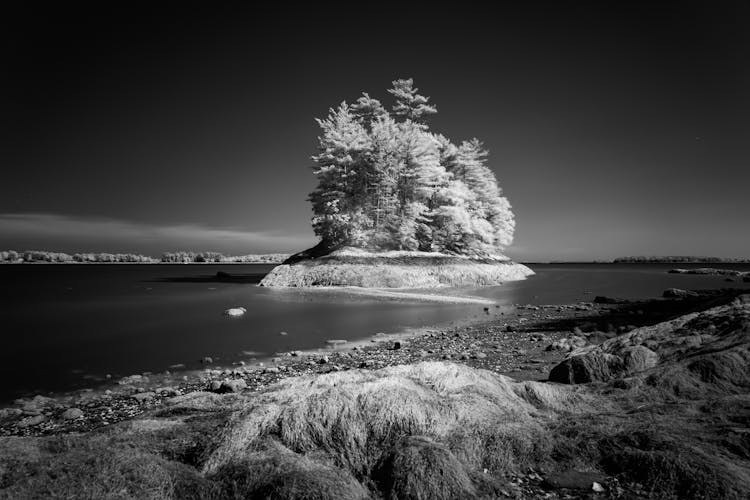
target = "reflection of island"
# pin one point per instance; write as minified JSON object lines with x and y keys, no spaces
{"x":42,"y":256}
{"x":397,"y":205}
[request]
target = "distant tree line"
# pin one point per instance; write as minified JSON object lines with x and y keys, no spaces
{"x":60,"y":257}
{"x":215,"y":257}
{"x":678,"y":259}
{"x":386,"y":182}
{"x":29,"y":256}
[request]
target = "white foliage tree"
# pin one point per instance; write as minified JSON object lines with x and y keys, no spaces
{"x":386,"y":182}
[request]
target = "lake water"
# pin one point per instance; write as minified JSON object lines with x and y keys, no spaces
{"x":65,"y":327}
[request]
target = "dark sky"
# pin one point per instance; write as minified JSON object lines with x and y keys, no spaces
{"x":615,"y":128}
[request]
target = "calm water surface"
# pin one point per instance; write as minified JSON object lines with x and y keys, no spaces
{"x":65,"y":327}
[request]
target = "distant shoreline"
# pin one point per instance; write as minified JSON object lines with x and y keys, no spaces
{"x":178,"y":257}
{"x":158,"y":263}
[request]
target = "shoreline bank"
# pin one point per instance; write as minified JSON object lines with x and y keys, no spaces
{"x":654,"y":395}
{"x":520,"y":341}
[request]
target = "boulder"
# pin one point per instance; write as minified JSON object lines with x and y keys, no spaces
{"x":72,"y":414}
{"x":233,"y":385}
{"x":235,"y":311}
{"x":33,"y":420}
{"x":142,"y":397}
{"x":638,"y":358}
{"x":592,"y":367}
{"x":704,"y":349}
{"x":132,"y":379}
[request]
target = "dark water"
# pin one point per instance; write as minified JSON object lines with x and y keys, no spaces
{"x":65,"y":327}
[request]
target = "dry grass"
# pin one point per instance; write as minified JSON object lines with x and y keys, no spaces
{"x":75,"y":467}
{"x":466,"y":420}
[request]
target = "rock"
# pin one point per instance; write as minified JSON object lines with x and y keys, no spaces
{"x":577,"y":341}
{"x":233,"y":385}
{"x":677,"y":293}
{"x":6,"y":413}
{"x":396,"y":345}
{"x":510,"y":328}
{"x":296,"y":354}
{"x":33,"y":420}
{"x":639,"y":358}
{"x":323,"y":360}
{"x":72,"y":414}
{"x":235,"y":311}
{"x":142,"y":397}
{"x":283,"y":333}
{"x":335,"y":342}
{"x":132,"y":379}
{"x":36,"y":404}
{"x":207,"y":360}
{"x":559,"y":345}
{"x":597,"y":488}
{"x":480,"y":355}
{"x":214,"y":385}
{"x":591,"y":367}
{"x":271,"y":369}
{"x":574,"y":480}
{"x":168,"y":391}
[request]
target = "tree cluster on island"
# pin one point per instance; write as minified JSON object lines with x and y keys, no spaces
{"x":386,"y":182}
{"x":43,"y":256}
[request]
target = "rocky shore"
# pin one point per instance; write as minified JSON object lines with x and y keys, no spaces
{"x":506,"y":342}
{"x":189,"y":431}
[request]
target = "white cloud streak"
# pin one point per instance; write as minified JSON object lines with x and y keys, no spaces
{"x":79,"y":233}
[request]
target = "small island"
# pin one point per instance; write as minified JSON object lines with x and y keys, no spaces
{"x":400,"y":206}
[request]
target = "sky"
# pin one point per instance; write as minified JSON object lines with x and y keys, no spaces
{"x":614,"y":128}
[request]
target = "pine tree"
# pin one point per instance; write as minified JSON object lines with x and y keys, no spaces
{"x":409,"y":104}
{"x":342,"y":145}
{"x":367,"y":110}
